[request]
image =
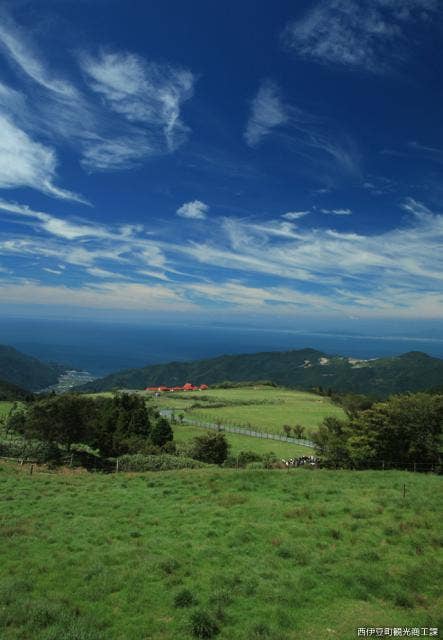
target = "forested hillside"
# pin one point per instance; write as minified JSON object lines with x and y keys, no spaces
{"x":25,"y":371}
{"x":304,"y":369}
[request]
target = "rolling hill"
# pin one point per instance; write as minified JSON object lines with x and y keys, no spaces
{"x":303,"y":369}
{"x":25,"y":371}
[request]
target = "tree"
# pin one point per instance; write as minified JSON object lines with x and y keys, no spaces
{"x":298,"y":430}
{"x":161,"y":432}
{"x":112,"y":426}
{"x":59,"y":419}
{"x":331,"y":442}
{"x":400,"y":431}
{"x":211,"y":447}
{"x":287,"y":429}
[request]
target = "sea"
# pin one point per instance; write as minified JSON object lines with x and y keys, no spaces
{"x":104,"y":347}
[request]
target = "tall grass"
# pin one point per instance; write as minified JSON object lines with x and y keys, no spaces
{"x":233,"y":554}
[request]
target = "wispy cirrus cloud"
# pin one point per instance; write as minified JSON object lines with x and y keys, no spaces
{"x":365,"y":34}
{"x":337,"y":212}
{"x":267,"y":112}
{"x":248,"y":265}
{"x":295,"y":215}
{"x":27,"y":163}
{"x":127,"y":110}
{"x":148,"y":93}
{"x":313,"y":137}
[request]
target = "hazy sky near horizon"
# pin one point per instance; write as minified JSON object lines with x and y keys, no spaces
{"x":238,"y":160}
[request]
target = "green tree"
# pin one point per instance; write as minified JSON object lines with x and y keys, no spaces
{"x":161,"y":432}
{"x":403,"y":430}
{"x":211,"y":447}
{"x":59,"y":419}
{"x":298,"y":430}
{"x":287,"y":429}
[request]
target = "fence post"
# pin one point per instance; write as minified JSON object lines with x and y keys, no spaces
{"x":31,"y":469}
{"x":116,"y":466}
{"x":415,"y":467}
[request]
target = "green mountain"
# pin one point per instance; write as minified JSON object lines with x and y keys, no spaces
{"x":10,"y":392}
{"x":303,"y":369}
{"x":25,"y":371}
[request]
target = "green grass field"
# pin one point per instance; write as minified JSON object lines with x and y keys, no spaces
{"x":5,"y":408}
{"x":184,"y":434}
{"x":263,"y":554}
{"x":268,"y":408}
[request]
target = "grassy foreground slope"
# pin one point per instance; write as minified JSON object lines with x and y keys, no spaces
{"x":266,"y":554}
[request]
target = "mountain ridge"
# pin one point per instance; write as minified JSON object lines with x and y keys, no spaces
{"x":27,"y":372}
{"x":304,"y":369}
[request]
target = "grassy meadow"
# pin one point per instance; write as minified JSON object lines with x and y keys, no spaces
{"x":5,"y":408}
{"x":244,"y":555}
{"x":266,"y":408}
{"x":184,"y":434}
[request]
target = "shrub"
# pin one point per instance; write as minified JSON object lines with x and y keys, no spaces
{"x":203,"y":625}
{"x":163,"y":462}
{"x":184,"y":598}
{"x":211,"y":447}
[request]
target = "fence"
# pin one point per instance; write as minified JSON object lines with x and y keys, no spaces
{"x":112,"y":466}
{"x":240,"y":430}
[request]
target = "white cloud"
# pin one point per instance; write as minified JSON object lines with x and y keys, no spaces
{"x":26,"y":163}
{"x":57,"y":272}
{"x":133,"y":111}
{"x":23,"y":54}
{"x":368,"y":34}
{"x":196,"y":210}
{"x":267,"y":112}
{"x":106,"y":295}
{"x":317,"y":140}
{"x":295,"y":215}
{"x":56,"y":226}
{"x":337,"y":212}
{"x":248,"y":264}
{"x":149,"y":94}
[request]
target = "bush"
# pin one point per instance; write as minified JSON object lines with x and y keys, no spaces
{"x":203,"y":625}
{"x":163,"y":462}
{"x":211,"y":447}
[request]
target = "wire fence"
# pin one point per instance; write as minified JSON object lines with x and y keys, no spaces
{"x":31,"y":465}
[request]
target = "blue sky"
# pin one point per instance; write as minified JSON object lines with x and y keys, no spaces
{"x":269,"y":162}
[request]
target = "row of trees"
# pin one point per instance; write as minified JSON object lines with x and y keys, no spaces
{"x":402,"y":430}
{"x":104,"y":427}
{"x":111,"y":426}
{"x":297,"y":430}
